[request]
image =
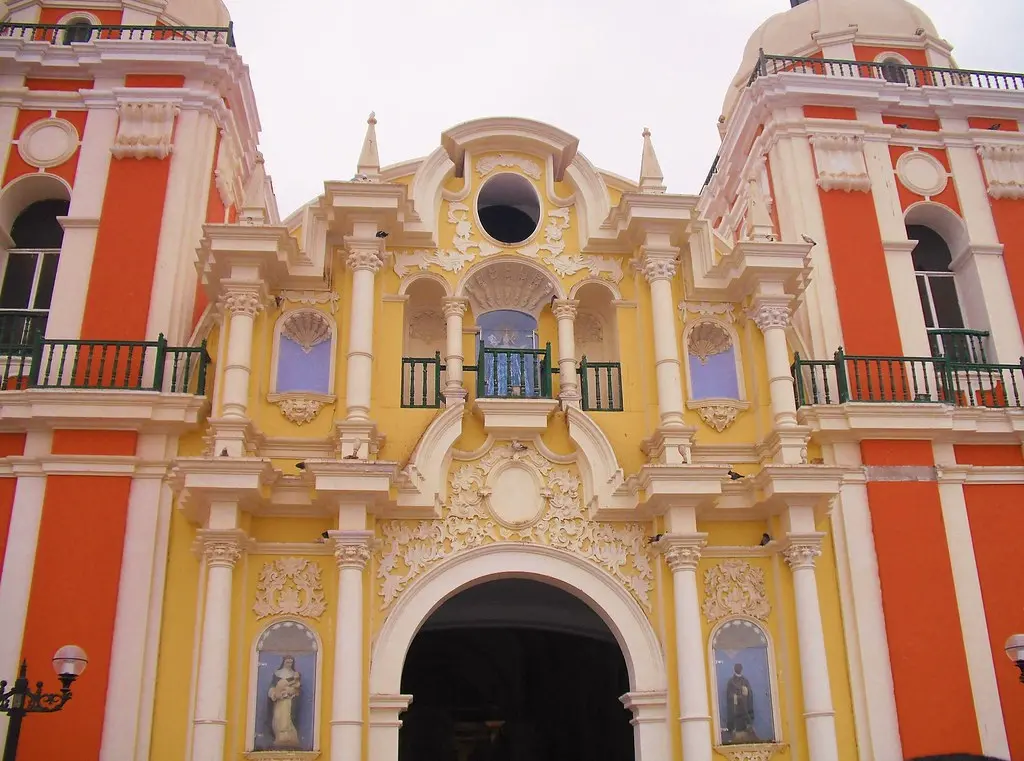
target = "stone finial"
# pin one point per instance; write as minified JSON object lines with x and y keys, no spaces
{"x":651,"y":176}
{"x":255,"y":209}
{"x":368,"y":169}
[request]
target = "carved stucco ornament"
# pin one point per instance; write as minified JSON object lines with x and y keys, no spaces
{"x":478,"y":512}
{"x":719,"y":414}
{"x":750,"y":751}
{"x":735,"y":588}
{"x":299,"y":409}
{"x":290,"y":587}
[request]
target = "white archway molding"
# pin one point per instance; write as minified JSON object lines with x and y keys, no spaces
{"x":942,"y":220}
{"x":513,"y":282}
{"x":424,"y":476}
{"x":641,"y":649}
{"x":604,"y":483}
{"x":26,"y":190}
{"x":409,"y":280}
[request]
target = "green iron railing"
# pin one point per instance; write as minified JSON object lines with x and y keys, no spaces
{"x":17,"y":326}
{"x":860,"y":378}
{"x":959,"y":344}
{"x":513,"y":373}
{"x":600,"y":386}
{"x":104,"y":365}
{"x":421,"y":381}
{"x":80,"y":32}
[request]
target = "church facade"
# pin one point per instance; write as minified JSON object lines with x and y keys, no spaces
{"x":495,"y":454}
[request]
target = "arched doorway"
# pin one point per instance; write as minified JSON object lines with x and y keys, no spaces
{"x":515,"y":669}
{"x":613,"y":604}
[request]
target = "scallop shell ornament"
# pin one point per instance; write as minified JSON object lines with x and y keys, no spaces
{"x":708,"y":339}
{"x":307,"y":329}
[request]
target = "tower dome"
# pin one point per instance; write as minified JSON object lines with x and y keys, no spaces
{"x":793,"y":32}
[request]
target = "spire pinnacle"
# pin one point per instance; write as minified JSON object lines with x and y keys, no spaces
{"x":369,"y":162}
{"x":254,"y":209}
{"x":651,"y":176}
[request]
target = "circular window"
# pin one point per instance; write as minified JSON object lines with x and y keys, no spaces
{"x":508,"y":208}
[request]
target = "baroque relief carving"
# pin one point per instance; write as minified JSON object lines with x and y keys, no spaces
{"x":840,"y":162}
{"x":299,"y":409}
{"x":144,"y":130}
{"x":243,"y":302}
{"x":226,"y":172}
{"x":1004,"y":170}
{"x":735,"y":588}
{"x":659,"y":268}
{"x":359,"y":259}
{"x":480,"y":511}
{"x":307,"y":329}
{"x":719,"y":413}
{"x":707,"y":339}
{"x":589,"y":329}
{"x":427,"y":325}
{"x":290,"y":587}
{"x":707,"y":309}
{"x":750,"y":752}
{"x":313,"y":297}
{"x":458,"y":215}
{"x":488,"y":164}
{"x":768,"y":316}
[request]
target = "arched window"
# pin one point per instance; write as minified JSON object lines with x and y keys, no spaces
{"x":743,"y":684}
{"x":305,"y":353}
{"x":286,"y":689}
{"x":77,"y":30}
{"x":893,"y":71}
{"x":936,"y":286}
{"x":711,"y":356}
{"x":28,"y":271}
{"x":509,"y":371}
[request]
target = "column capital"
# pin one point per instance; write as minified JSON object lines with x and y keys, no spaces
{"x":364,"y":254}
{"x":454,"y":306}
{"x":659,"y":266}
{"x":222,"y":548}
{"x":565,"y":309}
{"x":682,"y":551}
{"x":351,"y":548}
{"x":243,"y":301}
{"x":768,"y":316}
{"x":802,"y":550}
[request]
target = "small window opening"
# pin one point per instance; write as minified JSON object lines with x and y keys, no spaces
{"x":936,"y":286}
{"x":78,"y":30}
{"x":509,"y":208}
{"x":893,"y":71}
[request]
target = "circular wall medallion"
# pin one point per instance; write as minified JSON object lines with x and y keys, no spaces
{"x":921,"y":173}
{"x":48,"y":142}
{"x":515,"y":500}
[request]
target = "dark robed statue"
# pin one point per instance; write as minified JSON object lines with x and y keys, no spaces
{"x":739,"y":702}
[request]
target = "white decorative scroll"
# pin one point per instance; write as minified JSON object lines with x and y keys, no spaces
{"x":735,"y":588}
{"x":479,"y":512}
{"x":723,"y":310}
{"x":840,"y":162}
{"x":290,"y":587}
{"x":488,"y":164}
{"x":458,"y":215}
{"x":1004,"y":170}
{"x":227,"y":172}
{"x":554,"y":243}
{"x":449,"y":261}
{"x":313,"y":297}
{"x":144,"y":130}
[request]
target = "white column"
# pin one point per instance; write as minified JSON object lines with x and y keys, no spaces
{"x":20,"y":554}
{"x":221,"y":550}
{"x":454,"y":309}
{"x":682,"y":553}
{"x":565,"y":313}
{"x":128,"y":648}
{"x":364,"y":261}
{"x":242,"y":305}
{"x":659,"y":269}
{"x":8,"y":119}
{"x":773,"y":319}
{"x":385,"y":721}
{"x":352,"y":551}
{"x":819,"y":715}
{"x":650,"y":714}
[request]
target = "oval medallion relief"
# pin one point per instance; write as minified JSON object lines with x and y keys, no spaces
{"x":48,"y":142}
{"x":921,"y":173}
{"x":515,"y":500}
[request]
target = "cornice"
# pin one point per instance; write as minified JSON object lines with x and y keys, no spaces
{"x":142,"y":411}
{"x":856,"y":421}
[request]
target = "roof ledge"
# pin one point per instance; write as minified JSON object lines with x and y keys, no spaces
{"x":501,"y":133}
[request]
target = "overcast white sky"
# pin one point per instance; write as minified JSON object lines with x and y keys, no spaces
{"x":600,"y":69}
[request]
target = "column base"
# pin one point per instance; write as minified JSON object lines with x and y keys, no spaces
{"x":785,"y":446}
{"x":237,"y":437}
{"x":670,"y":445}
{"x":357,"y":440}
{"x":455,"y":394}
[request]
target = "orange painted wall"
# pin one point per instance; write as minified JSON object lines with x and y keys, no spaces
{"x":868,"y":53}
{"x":920,"y":606}
{"x":17,"y":166}
{"x":54,"y":15}
{"x":984,"y":122}
{"x":94,"y":442}
{"x":82,"y":528}
{"x":1007,"y":214}
{"x":924,"y":125}
{"x":10,"y":444}
{"x":858,"y":266}
{"x":994,"y":515}
{"x":58,"y":85}
{"x":948,"y":196}
{"x":830,"y":112}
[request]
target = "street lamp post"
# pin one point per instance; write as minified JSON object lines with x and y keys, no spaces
{"x":1015,"y":652}
{"x":69,"y":662}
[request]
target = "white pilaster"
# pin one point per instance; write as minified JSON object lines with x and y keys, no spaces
{"x":352,"y":551}
{"x":20,"y":554}
{"x":659,"y":268}
{"x":221,"y":550}
{"x":454,"y":310}
{"x":819,"y":716}
{"x":128,"y":648}
{"x":242,"y":304}
{"x":650,"y":713}
{"x":9,"y":106}
{"x":364,"y":260}
{"x":565,"y":313}
{"x":971,"y":606}
{"x":81,"y":225}
{"x":682,"y":553}
{"x":385,"y":721}
{"x":773,"y":319}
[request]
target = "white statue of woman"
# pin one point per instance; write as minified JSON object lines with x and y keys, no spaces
{"x":284,"y":690}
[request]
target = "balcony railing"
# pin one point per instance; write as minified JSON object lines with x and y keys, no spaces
{"x":18,"y":326}
{"x":915,"y":76}
{"x":600,"y":386}
{"x":104,"y":365}
{"x":421,"y":381}
{"x":849,"y":378}
{"x":65,"y":34}
{"x":513,"y":373}
{"x":959,"y":344}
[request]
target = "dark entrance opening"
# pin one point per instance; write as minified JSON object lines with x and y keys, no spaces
{"x":515,"y":670}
